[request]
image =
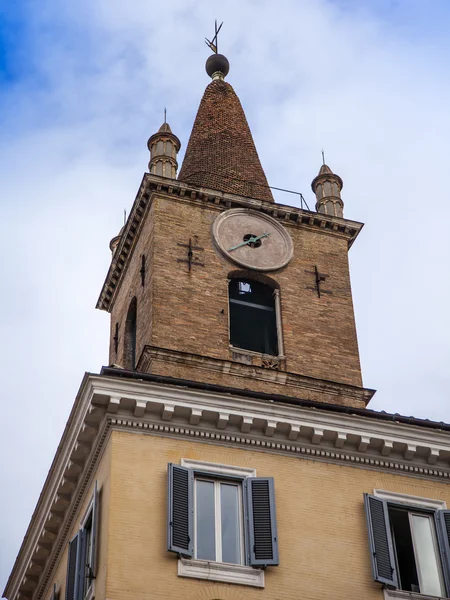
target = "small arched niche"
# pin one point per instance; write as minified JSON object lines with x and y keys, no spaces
{"x":129,"y":361}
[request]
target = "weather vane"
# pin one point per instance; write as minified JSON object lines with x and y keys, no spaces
{"x":213,"y":44}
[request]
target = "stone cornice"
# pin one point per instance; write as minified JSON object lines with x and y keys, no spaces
{"x":177,"y":190}
{"x":104,"y":403}
{"x":297,"y":384}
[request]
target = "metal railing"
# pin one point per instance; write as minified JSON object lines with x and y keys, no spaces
{"x":303,"y":202}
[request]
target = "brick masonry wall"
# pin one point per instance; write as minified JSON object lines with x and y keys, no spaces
{"x":132,"y":287}
{"x":221,"y":153}
{"x":188,"y":312}
{"x":322,"y":532}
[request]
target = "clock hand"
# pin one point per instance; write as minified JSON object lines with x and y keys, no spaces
{"x":239,"y":245}
{"x":263,"y":235}
{"x":249,"y":241}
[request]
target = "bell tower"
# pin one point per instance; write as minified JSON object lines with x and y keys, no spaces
{"x":213,"y":282}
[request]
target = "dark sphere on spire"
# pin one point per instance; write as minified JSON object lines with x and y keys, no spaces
{"x":217,"y":63}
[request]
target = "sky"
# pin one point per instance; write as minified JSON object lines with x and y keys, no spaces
{"x":84,"y":84}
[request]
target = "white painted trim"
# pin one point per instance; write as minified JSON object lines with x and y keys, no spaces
{"x":279,"y":323}
{"x":402,"y":595}
{"x":202,"y":569}
{"x":87,"y":512}
{"x":218,"y":468}
{"x":90,"y":594}
{"x":308,"y":417}
{"x":408,"y":500}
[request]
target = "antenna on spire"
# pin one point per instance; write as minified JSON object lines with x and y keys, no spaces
{"x":213,"y":44}
{"x":323,"y":157}
{"x":165,"y":114}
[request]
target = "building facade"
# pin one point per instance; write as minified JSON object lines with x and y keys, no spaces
{"x":228,"y":451}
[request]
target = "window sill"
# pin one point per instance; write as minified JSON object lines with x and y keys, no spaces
{"x":402,"y":595}
{"x":202,"y":569}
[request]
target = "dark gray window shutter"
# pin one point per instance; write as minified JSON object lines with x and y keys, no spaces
{"x":81,"y":570}
{"x":262,"y":521}
{"x":95,"y":514}
{"x":180,"y":515}
{"x":380,"y":540}
{"x":443,"y":530}
{"x":72,"y":567}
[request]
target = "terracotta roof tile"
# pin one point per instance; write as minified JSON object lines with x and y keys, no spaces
{"x":221,"y":153}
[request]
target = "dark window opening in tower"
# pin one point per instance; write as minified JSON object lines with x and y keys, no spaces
{"x":129,"y":361}
{"x":253,"y":324}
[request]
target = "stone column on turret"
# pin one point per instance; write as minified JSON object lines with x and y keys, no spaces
{"x":164,"y":147}
{"x":327,"y":187}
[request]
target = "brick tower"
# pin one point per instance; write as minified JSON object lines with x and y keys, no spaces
{"x":186,"y":304}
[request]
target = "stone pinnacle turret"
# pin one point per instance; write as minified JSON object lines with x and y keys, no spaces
{"x":327,"y":187}
{"x":164,"y":147}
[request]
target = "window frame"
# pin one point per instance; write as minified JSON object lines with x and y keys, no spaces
{"x":220,"y":472}
{"x":87,"y":572}
{"x":243,"y":574}
{"x":420,"y":506}
{"x":278,"y":321}
{"x":218,"y":481}
{"x":90,"y":518}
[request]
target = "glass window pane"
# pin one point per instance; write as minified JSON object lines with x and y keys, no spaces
{"x":231,"y":526}
{"x":426,"y":555}
{"x":252,"y":291}
{"x":253,"y":323}
{"x":206,"y":527}
{"x":253,"y":329}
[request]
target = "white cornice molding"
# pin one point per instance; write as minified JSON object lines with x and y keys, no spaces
{"x":212,"y":417}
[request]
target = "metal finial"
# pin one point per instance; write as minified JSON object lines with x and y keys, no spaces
{"x":323,"y":157}
{"x":124,"y":216}
{"x":165,"y":114}
{"x":214,"y":44}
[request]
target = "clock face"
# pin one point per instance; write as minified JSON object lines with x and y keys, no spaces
{"x":252,"y":239}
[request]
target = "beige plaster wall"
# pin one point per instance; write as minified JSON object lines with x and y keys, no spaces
{"x":324,"y":550}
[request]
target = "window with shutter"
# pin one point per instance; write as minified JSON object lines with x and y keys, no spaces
{"x":225,"y":517}
{"x":72,"y":568}
{"x":81,"y":565}
{"x":442,"y":518}
{"x":55,"y":593}
{"x":409,"y":545}
{"x":262,"y":521}
{"x":180,"y":507}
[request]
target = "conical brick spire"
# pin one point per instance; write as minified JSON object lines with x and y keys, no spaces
{"x":221,"y":153}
